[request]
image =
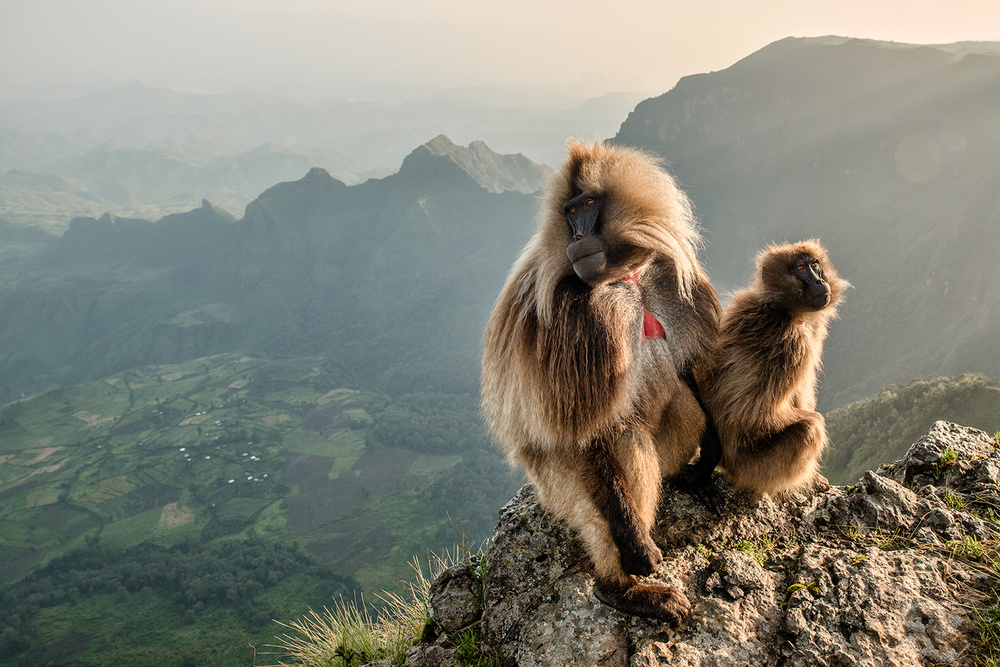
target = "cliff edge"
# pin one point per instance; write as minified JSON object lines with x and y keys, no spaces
{"x":899,"y":569}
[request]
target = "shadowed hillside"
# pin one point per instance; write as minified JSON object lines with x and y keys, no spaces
{"x":867,"y":433}
{"x":887,"y":152}
{"x":395,"y":277}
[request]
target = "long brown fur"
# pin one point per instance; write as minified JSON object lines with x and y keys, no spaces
{"x":596,"y":414}
{"x":761,"y":392}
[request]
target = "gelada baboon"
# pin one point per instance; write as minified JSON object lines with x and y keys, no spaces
{"x":761,"y":390}
{"x":602,"y":318}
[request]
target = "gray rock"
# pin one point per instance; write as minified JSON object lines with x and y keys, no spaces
{"x":976,"y":464}
{"x":571,"y":628}
{"x":433,"y":655}
{"x":887,"y":608}
{"x":739,"y":573}
{"x":454,"y":599}
{"x":864,"y":576}
{"x":530,"y":552}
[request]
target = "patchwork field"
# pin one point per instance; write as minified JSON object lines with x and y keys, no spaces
{"x":197,"y":502}
{"x":220,"y":448}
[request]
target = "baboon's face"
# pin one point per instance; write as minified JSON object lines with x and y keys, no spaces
{"x":588,"y":250}
{"x":809,"y":273}
{"x":597,"y":249}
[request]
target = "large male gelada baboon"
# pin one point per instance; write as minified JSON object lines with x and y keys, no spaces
{"x":602,"y":319}
{"x":761,"y":389}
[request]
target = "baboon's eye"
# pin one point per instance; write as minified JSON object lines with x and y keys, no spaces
{"x":572,"y":211}
{"x":590,"y":202}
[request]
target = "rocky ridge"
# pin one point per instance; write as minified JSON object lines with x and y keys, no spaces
{"x":895,"y":570}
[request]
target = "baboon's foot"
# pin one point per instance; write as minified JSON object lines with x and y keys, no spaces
{"x":666,"y":603}
{"x":819,"y":484}
{"x":701,"y":487}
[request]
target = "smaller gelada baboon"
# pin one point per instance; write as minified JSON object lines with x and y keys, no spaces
{"x":761,"y":390}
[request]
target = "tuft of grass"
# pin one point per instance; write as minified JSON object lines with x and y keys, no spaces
{"x":348,"y":636}
{"x":893,"y":542}
{"x":344,"y":636}
{"x":948,"y":457}
{"x":968,"y":547}
{"x":469,"y":653}
{"x":984,"y":555}
{"x":761,"y":552}
{"x":988,"y":626}
{"x":852,"y":533}
{"x":955,"y":501}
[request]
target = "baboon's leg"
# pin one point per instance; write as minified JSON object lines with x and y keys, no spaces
{"x":565,"y":488}
{"x":783,"y":461}
{"x":679,"y":432}
{"x":593,"y":493}
{"x":624,"y":478}
{"x":626,"y":486}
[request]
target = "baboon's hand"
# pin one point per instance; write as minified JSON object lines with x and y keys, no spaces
{"x":702,"y":488}
{"x":640,"y":558}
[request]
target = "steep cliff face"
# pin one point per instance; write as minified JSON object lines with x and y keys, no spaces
{"x":898,"y":569}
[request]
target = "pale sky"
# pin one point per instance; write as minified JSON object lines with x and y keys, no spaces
{"x":313,"y":49}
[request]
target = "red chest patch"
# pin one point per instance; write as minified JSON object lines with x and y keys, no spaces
{"x":651,"y":327}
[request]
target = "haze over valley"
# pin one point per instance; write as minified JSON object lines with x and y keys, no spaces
{"x":241,"y":322}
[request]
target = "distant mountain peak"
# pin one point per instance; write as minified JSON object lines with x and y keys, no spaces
{"x":318,"y":174}
{"x":208,"y":208}
{"x":491,"y":170}
{"x":442,"y":145}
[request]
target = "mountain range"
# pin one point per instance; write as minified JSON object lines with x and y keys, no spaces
{"x":145,"y":152}
{"x":886,"y":152}
{"x":392,"y":275}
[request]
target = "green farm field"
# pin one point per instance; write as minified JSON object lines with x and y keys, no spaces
{"x":228,"y":445}
{"x":226,"y":452}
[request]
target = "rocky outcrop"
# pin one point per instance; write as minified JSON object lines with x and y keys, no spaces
{"x":891,"y":571}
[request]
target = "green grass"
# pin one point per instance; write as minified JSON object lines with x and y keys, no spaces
{"x":112,"y":450}
{"x":985,"y":555}
{"x":761,"y":550}
{"x":131,"y":530}
{"x":348,"y":635}
{"x":128,"y":460}
{"x":955,"y":501}
{"x":948,"y":457}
